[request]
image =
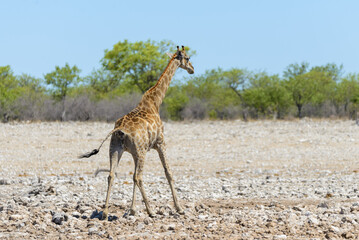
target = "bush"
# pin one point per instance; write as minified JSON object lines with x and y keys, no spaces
{"x":111,"y":110}
{"x":174,"y":103}
{"x":79,"y":109}
{"x":326,"y":109}
{"x":195,"y":109}
{"x":230,"y":112}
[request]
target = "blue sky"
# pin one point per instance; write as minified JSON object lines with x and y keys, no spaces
{"x":267,"y":35}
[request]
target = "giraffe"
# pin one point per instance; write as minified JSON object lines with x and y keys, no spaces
{"x":142,"y":130}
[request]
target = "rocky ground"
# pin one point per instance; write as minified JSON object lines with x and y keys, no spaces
{"x":235,"y":180}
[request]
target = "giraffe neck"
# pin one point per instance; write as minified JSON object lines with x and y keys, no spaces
{"x":155,"y":95}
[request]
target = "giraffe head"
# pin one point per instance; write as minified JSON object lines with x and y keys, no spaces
{"x":183,"y":59}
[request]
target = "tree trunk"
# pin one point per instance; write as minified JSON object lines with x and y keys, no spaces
{"x":63,"y":115}
{"x":245,"y":114}
{"x":299,"y":106}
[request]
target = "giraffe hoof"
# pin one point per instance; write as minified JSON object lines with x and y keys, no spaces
{"x":180,"y":211}
{"x":129,"y":212}
{"x":104,"y":215}
{"x":151,"y":214}
{"x":132,"y":212}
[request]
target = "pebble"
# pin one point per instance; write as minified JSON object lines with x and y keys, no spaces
{"x":92,"y":230}
{"x":323,"y":205}
{"x":16,"y":217}
{"x":202,"y":217}
{"x":335,"y":229}
{"x":280,"y":237}
{"x":171,"y":227}
{"x":76,"y":214}
{"x":313,"y":220}
{"x":58,"y":218}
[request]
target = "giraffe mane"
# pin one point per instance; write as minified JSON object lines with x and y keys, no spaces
{"x":160,"y":78}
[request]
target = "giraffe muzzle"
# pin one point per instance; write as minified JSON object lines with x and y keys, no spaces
{"x":190,"y":69}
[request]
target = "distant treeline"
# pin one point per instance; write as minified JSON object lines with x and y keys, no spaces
{"x":129,"y":69}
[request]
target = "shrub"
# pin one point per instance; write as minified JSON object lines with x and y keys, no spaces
{"x":195,"y":109}
{"x":112,"y":109}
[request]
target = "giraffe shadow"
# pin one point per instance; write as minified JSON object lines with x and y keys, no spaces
{"x":98,"y":215}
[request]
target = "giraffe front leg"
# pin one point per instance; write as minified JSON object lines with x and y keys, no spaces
{"x":161,"y":149}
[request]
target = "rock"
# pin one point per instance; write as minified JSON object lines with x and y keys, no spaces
{"x":334,"y":229}
{"x":171,"y":227}
{"x":16,"y":217}
{"x":93,"y":230}
{"x":4,"y":182}
{"x":313,"y":220}
{"x":20,"y":225}
{"x":292,"y":219}
{"x":212,"y":225}
{"x":62,"y":189}
{"x":280,"y":237}
{"x":348,"y":235}
{"x":147,"y":220}
{"x":225,"y":188}
{"x":45,"y":190}
{"x":58,"y":218}
{"x":323,"y":205}
{"x":76,"y":214}
{"x":140,"y":226}
{"x":297,"y":209}
{"x":330,"y":235}
{"x":343,"y":211}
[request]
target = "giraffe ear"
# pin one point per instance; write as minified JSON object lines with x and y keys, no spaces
{"x":170,"y":55}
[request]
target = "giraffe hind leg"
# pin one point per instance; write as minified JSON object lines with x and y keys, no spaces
{"x":116,"y":151}
{"x":137,"y":179}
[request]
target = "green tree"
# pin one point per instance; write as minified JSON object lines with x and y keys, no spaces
{"x":30,"y":83}
{"x":238,"y":80}
{"x":306,"y":86}
{"x":9,"y":90}
{"x":29,"y":103}
{"x":347,"y":92}
{"x":211,"y":91}
{"x":204,"y":86}
{"x":175,"y":101}
{"x":330,"y":75}
{"x":294,"y":70}
{"x":331,"y":70}
{"x":267,"y":94}
{"x":102,"y":81}
{"x":61,"y":80}
{"x":139,"y":63}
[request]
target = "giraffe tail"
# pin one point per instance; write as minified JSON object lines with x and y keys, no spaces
{"x":96,"y":150}
{"x":89,"y":154}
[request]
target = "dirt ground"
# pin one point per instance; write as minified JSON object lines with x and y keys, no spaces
{"x":234,"y":179}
